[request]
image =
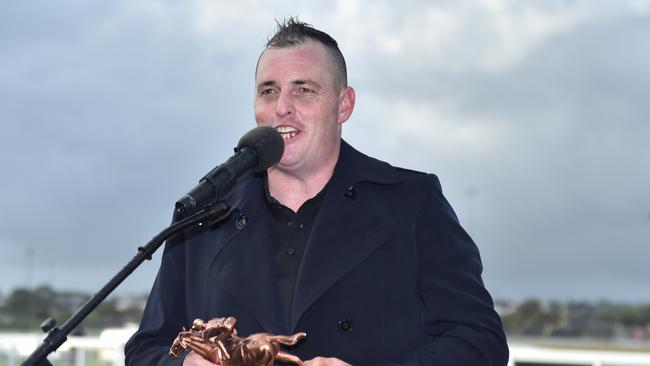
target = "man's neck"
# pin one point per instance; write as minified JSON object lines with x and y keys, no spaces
{"x":292,"y":190}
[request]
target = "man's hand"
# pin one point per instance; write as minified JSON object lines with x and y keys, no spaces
{"x":326,"y":361}
{"x":194,"y":359}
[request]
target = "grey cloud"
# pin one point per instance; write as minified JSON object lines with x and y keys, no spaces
{"x":105,"y":123}
{"x":562,"y":202}
{"x":108,"y":114}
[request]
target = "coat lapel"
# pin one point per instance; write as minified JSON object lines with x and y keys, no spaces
{"x":244,"y":264}
{"x":345,"y":232}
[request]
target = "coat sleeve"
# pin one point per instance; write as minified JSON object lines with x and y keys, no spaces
{"x":164,"y":314}
{"x":457,"y":311}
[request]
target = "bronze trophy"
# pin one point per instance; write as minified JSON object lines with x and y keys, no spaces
{"x":217,"y":341}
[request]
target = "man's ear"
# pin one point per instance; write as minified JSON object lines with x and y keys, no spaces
{"x":346,"y":104}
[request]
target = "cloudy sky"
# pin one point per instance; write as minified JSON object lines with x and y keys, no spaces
{"x":534,"y":114}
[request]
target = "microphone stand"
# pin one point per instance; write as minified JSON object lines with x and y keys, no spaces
{"x":57,"y":336}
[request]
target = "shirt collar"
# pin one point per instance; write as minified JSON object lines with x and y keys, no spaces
{"x":270,"y":200}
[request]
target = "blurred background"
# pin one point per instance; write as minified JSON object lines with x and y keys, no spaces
{"x":534,"y":115}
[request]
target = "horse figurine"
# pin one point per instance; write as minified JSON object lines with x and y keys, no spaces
{"x":217,"y":341}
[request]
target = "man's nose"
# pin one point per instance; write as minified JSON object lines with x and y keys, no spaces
{"x":284,"y":105}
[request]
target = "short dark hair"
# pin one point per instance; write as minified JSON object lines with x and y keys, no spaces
{"x":292,"y":32}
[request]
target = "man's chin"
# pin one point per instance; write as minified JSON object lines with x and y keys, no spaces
{"x":285,"y":165}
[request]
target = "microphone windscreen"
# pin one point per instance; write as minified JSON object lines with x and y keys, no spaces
{"x":267,"y":143}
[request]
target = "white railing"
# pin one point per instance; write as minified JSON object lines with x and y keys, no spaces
{"x":549,"y":355}
{"x":108,"y":349}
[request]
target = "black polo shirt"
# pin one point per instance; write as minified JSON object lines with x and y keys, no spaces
{"x":290,"y":232}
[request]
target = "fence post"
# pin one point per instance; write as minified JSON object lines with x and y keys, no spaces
{"x":79,"y":357}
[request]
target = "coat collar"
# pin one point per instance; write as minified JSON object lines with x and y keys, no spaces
{"x":355,"y":167}
{"x":345,"y":232}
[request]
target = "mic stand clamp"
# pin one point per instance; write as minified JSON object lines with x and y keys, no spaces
{"x":57,"y":336}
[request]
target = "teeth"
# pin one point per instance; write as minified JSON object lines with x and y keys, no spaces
{"x":286,"y":129}
{"x":287,"y":132}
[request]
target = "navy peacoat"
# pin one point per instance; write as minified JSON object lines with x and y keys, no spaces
{"x":388,"y":276}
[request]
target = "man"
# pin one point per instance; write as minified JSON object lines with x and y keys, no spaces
{"x":369,"y":260}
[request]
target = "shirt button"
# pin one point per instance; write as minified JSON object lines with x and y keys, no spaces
{"x":290,"y":251}
{"x":289,"y":224}
{"x":345,"y":326}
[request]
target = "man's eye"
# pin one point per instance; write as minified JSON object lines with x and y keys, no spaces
{"x":267,"y":91}
{"x":305,"y":90}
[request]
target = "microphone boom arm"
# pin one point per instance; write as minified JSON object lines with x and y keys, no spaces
{"x":57,"y":336}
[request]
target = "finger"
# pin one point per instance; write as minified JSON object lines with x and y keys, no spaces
{"x":326,"y":361}
{"x":194,"y":359}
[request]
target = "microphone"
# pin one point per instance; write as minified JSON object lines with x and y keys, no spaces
{"x":258,"y":150}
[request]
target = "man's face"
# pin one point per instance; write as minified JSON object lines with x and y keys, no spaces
{"x":297,"y":94}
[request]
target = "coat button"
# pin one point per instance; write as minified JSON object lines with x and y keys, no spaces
{"x":345,"y":326}
{"x":351,"y":192}
{"x":241,"y":221}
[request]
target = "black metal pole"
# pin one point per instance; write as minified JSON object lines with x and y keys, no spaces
{"x":57,"y":336}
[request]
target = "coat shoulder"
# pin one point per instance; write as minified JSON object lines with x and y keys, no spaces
{"x":411,"y":176}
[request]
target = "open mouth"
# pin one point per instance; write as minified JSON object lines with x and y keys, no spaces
{"x":287,"y":132}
